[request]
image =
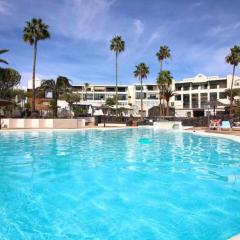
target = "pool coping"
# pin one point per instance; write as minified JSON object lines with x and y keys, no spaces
{"x":197,"y":132}
{"x":207,"y":134}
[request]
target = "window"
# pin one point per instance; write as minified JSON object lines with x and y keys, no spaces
{"x":123,"y":89}
{"x":203,"y":86}
{"x":186,"y":101}
{"x":122,"y":97}
{"x":150,"y":88}
{"x":110,"y":89}
{"x":186,"y":87}
{"x":213,"y":86}
{"x":138,"y":95}
{"x":195,"y":86}
{"x":178,"y":97}
{"x":237,"y":82}
{"x":178,"y":87}
{"x":204,"y":100}
{"x":194,"y":100}
{"x":222,"y":95}
{"x":213,"y":96}
{"x":138,"y":87}
{"x":89,"y":96}
{"x":99,"y":96}
{"x":223,"y":84}
{"x":48,"y":94}
{"x":152,"y":96}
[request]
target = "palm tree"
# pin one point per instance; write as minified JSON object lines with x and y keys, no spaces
{"x":164,"y":80}
{"x":168,"y":94}
{"x":163,"y":53}
{"x":33,"y":32}
{"x":234,"y":59}
{"x":57,"y":88}
{"x":71,"y":98}
{"x":86,"y":85}
{"x":142,"y":70}
{"x":160,"y":84}
{"x":1,"y":52}
{"x":117,"y":45}
{"x":232,"y":93}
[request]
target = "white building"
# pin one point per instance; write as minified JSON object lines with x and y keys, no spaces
{"x":150,"y":97}
{"x":193,"y":96}
{"x":196,"y":96}
{"x":96,"y":95}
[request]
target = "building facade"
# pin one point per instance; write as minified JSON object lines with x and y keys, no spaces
{"x":202,"y":94}
{"x":197,"y":96}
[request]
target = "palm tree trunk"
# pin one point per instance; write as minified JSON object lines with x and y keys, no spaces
{"x":231,"y":94}
{"x":141,"y":100}
{"x":160,"y":92}
{"x":55,"y":107}
{"x":163,"y":93}
{"x":116,"y":83}
{"x":160,"y":103}
{"x":33,"y":76}
{"x":70,"y":108}
{"x":167,"y":108}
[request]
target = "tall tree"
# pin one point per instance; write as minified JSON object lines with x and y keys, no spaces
{"x":57,"y":88}
{"x":34,"y":31}
{"x":9,"y":78}
{"x":164,"y":80}
{"x":141,"y":71}
{"x":163,"y":53}
{"x":168,"y":94}
{"x":86,"y":86}
{"x":233,"y":59}
{"x":1,"y":52}
{"x":117,"y":45}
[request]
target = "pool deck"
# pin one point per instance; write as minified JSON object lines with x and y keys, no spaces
{"x":237,"y":237}
{"x":229,"y":134}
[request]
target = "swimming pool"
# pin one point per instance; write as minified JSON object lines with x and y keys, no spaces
{"x":118,"y":184}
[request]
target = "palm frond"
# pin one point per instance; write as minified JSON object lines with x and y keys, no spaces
{"x":117,"y":44}
{"x":3,"y":61}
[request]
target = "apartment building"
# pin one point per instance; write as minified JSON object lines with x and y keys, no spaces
{"x":202,"y":94}
{"x":96,"y":95}
{"x":150,"y":94}
{"x":195,"y":96}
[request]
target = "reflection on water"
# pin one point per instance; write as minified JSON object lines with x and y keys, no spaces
{"x":118,"y":184}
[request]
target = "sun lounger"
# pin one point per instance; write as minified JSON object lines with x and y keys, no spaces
{"x":226,"y":125}
{"x":236,"y":126}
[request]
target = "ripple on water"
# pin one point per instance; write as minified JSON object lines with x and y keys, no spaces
{"x":118,"y":184}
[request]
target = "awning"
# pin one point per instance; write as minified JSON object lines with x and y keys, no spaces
{"x":216,"y":103}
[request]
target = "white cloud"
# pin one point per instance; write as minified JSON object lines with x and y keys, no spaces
{"x":225,"y":30}
{"x":83,"y":19}
{"x":138,"y":26}
{"x":197,"y":4}
{"x":4,"y":8}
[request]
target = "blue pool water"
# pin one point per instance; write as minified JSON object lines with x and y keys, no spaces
{"x":118,"y":184}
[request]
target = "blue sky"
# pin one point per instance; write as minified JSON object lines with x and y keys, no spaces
{"x":199,"y":34}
